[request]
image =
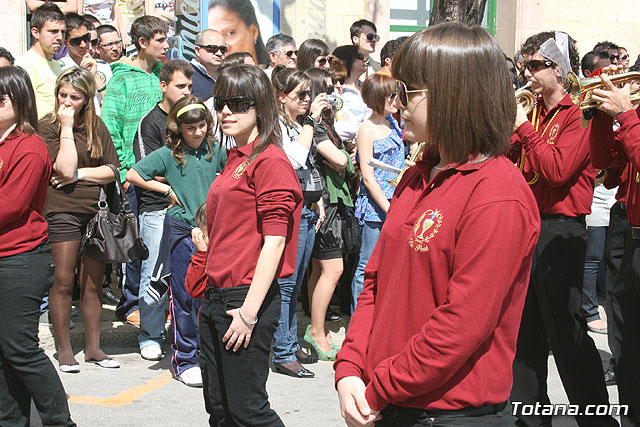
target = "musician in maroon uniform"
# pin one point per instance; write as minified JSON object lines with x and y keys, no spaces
{"x":553,"y":154}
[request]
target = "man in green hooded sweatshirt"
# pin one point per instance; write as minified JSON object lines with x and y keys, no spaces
{"x":132,"y":91}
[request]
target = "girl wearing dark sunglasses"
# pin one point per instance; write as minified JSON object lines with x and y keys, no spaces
{"x":313,"y":53}
{"x":253,"y":214}
{"x":306,"y":143}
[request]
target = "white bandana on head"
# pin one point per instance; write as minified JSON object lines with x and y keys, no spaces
{"x":557,"y":51}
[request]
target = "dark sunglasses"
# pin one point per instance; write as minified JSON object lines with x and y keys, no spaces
{"x":537,"y":65}
{"x":94,"y":42}
{"x":624,"y":57}
{"x":403,"y":93}
{"x":330,"y":89}
{"x":614,"y":58}
{"x":290,"y":53}
{"x":371,"y":37}
{"x":212,"y":48}
{"x":321,"y":61}
{"x":76,"y":41}
{"x":341,"y":81}
{"x":237,"y":104}
{"x":303,"y":94}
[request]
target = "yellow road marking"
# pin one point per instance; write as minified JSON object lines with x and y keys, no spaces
{"x":127,"y":396}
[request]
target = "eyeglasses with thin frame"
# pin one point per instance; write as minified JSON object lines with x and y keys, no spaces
{"x":372,"y":36}
{"x":108,"y":45}
{"x":290,"y":53}
{"x":537,"y":65}
{"x":212,"y":48}
{"x":403,"y":93}
{"x":77,"y":41}
{"x":236,"y":104}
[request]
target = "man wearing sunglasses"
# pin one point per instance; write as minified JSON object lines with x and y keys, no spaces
{"x":553,"y":155}
{"x":609,"y":48}
{"x":78,"y":42}
{"x":210,"y":50}
{"x":364,"y":35}
{"x":282,"y":50}
{"x":47,"y":30}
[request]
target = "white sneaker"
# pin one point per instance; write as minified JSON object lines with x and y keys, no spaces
{"x":191,"y":377}
{"x":151,"y":352}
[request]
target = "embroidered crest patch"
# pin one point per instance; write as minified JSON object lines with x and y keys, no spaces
{"x":424,"y":229}
{"x":240,"y":170}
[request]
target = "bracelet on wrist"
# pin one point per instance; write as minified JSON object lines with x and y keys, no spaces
{"x":168,"y":192}
{"x":76,"y":175}
{"x":623,"y":111}
{"x":67,"y":137}
{"x":245,"y":321}
{"x":102,"y":89}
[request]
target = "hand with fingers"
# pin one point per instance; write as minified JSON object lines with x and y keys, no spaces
{"x":58,"y":182}
{"x":89,"y":63}
{"x":353,"y":405}
{"x":239,"y":331}
{"x":66,"y":116}
{"x":613,"y":100}
{"x":173,"y":200}
{"x":200,"y":241}
{"x":319,"y":104}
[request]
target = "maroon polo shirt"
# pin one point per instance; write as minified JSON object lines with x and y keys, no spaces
{"x":557,"y":162}
{"x":619,"y":149}
{"x":437,"y":321}
{"x":250,"y":200}
{"x":25,"y":169}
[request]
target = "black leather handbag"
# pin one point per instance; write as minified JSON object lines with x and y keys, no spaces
{"x":351,"y":230}
{"x":112,"y":235}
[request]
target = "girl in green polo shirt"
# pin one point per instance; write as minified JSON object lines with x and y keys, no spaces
{"x":183,"y":170}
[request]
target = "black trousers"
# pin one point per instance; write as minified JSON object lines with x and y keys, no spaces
{"x":627,"y":292}
{"x":613,"y":251}
{"x":552,"y":316}
{"x":26,"y":372}
{"x":234,"y":383}
{"x":395,"y":416}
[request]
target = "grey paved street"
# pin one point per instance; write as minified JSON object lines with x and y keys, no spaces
{"x":142,"y":393}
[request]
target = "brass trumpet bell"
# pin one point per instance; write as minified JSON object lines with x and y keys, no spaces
{"x":526,"y":98}
{"x":581,"y":89}
{"x":417,"y":155}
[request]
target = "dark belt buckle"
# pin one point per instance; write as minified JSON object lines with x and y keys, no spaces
{"x":635,"y":233}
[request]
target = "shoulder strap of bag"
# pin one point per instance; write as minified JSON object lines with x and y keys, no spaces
{"x":124,"y":201}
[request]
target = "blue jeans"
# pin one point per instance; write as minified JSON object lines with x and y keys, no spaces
{"x":370,"y":234}
{"x":286,"y":336}
{"x":594,"y":271}
{"x":151,"y":311}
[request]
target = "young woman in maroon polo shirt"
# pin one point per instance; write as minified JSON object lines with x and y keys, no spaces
{"x":26,"y":372}
{"x":253,"y":218}
{"x":434,"y":333}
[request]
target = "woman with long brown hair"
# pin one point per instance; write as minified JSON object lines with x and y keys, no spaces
{"x":434,"y":335}
{"x":80,"y":147}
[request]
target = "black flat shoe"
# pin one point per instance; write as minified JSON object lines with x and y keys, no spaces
{"x":332,"y":316}
{"x":302,"y":373}
{"x":304,"y":358}
{"x":610,"y":377}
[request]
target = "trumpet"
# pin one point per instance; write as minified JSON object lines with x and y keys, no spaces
{"x":580,"y":90}
{"x":417,"y":155}
{"x":526,"y":98}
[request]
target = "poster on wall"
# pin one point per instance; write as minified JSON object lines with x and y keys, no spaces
{"x":245,"y":24}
